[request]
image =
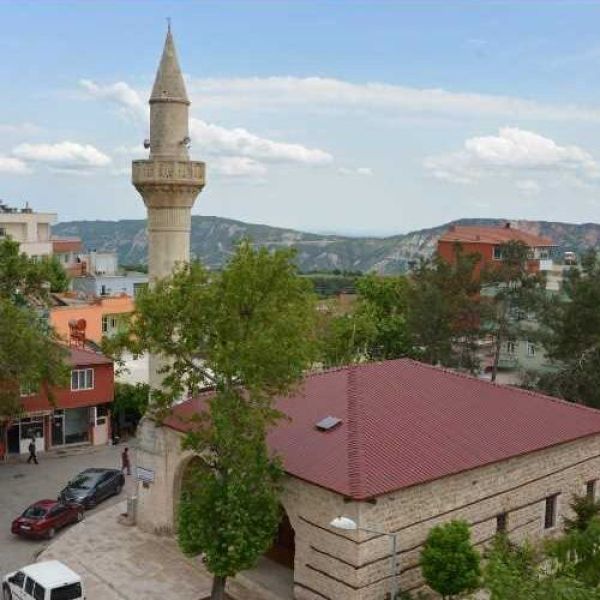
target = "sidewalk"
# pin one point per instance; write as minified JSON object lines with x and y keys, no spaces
{"x":119,"y":562}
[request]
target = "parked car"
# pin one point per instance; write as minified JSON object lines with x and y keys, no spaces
{"x":92,"y":486}
{"x":46,"y":517}
{"x":49,"y":580}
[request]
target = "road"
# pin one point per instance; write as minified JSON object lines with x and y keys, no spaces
{"x":22,"y":484}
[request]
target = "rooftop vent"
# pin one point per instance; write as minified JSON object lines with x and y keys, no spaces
{"x":328,"y":423}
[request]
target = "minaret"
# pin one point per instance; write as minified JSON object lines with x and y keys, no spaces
{"x":168,"y":181}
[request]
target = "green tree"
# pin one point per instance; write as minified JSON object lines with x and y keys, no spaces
{"x":26,"y":280}
{"x":513,"y":572}
{"x":584,"y":509}
{"x":30,"y":356}
{"x":577,"y":553}
{"x":511,"y":292}
{"x":572,"y":336}
{"x":375,"y":328}
{"x":449,"y":563}
{"x":248,"y":331}
{"x":443,"y":311}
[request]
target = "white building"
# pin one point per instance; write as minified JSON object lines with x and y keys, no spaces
{"x":31,"y":229}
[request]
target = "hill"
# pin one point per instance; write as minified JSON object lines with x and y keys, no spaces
{"x":214,"y":237}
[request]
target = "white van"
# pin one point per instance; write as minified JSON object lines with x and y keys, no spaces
{"x":49,"y":580}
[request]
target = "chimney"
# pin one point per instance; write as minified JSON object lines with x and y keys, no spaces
{"x":507,"y":225}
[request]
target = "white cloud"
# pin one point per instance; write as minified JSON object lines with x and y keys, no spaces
{"x":512,"y":151}
{"x":12,"y":165}
{"x":238,"y":166}
{"x":312,"y":92}
{"x":364,"y":171}
{"x":235,"y":144}
{"x":124,"y":96}
{"x":63,"y":155}
{"x":213,"y":139}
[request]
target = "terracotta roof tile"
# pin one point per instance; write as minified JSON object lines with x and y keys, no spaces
{"x":405,"y":423}
{"x":493,"y":235}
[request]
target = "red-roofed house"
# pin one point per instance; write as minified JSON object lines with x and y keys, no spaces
{"x":410,"y":446}
{"x":487,"y":242}
{"x":78,"y":414}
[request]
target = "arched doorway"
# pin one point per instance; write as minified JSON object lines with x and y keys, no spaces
{"x":284,"y":545}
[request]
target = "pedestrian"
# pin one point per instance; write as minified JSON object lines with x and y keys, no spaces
{"x":125,"y":464}
{"x":32,"y":454}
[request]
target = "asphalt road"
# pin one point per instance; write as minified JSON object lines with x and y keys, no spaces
{"x":22,"y":484}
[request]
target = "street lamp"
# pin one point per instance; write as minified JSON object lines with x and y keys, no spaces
{"x":349,"y":524}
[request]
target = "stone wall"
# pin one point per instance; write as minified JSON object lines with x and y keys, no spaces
{"x":338,"y":565}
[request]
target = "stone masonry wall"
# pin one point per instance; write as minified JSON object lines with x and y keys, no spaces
{"x":338,"y":565}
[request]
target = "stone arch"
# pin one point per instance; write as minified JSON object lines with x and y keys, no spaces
{"x":185,"y":464}
{"x":283,"y":550}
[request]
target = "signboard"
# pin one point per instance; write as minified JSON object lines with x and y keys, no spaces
{"x":146,"y":475}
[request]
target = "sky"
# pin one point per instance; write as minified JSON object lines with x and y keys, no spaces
{"x":364,"y":118}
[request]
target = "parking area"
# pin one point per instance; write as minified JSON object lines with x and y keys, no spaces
{"x":21,"y":484}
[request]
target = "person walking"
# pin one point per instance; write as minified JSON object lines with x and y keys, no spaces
{"x":125,"y":464}
{"x":32,"y":454}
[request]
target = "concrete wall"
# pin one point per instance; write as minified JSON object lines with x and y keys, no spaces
{"x":337,"y":565}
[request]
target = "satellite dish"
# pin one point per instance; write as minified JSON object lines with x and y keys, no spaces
{"x":146,"y":143}
{"x":187,"y":142}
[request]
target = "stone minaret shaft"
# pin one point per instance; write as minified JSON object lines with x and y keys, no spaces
{"x":168,"y":181}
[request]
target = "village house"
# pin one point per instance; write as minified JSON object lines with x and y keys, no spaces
{"x":78,"y":414}
{"x":406,"y":446}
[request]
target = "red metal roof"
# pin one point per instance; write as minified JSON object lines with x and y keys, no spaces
{"x":66,"y":245}
{"x":79,"y":358}
{"x":493,"y":235}
{"x":405,"y":423}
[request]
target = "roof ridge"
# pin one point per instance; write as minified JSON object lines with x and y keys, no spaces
{"x":354,"y":449}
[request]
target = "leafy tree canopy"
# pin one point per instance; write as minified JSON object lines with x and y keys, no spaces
{"x":248,"y":332}
{"x":449,"y":563}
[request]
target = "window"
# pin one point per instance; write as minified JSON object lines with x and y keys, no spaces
{"x":501,"y":522}
{"x":497,"y":253}
{"x":511,"y":347}
{"x":67,"y":592}
{"x":82,"y":379}
{"x":29,"y":585}
{"x":590,"y":490}
{"x":138,"y":288}
{"x":104,"y":323}
{"x":18,"y":579}
{"x":530,"y":349}
{"x":39,"y":593}
{"x":32,"y":428}
{"x":102,"y":410}
{"x":28,"y":389}
{"x":550,"y":512}
{"x":2,"y":232}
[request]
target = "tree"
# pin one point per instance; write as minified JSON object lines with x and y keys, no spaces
{"x":513,"y":572}
{"x":512,"y":292}
{"x":571,"y":336}
{"x":248,"y":332}
{"x":26,"y":280}
{"x":375,"y":328}
{"x":449,"y":563}
{"x":585,"y":509}
{"x":577,"y":553}
{"x":30,"y":356}
{"x":130,"y":403}
{"x":443,"y":311}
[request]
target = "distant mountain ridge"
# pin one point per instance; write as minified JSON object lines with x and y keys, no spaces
{"x":214,"y":237}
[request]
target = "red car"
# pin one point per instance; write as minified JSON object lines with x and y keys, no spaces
{"x":46,"y":517}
